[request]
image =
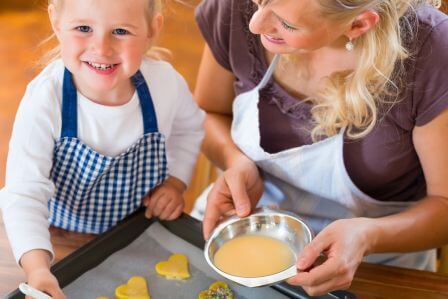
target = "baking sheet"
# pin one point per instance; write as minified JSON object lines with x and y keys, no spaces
{"x":140,"y":257}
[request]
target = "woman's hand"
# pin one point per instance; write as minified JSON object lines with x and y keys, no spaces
{"x":166,"y":201}
{"x":344,"y":243}
{"x":237,"y":190}
{"x":43,"y":280}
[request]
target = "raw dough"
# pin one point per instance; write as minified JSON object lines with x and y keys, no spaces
{"x":176,"y":267}
{"x":217,"y":290}
{"x":136,"y":288}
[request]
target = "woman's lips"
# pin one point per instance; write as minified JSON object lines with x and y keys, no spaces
{"x":274,"y":40}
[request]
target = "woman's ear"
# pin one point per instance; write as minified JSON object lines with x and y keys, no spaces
{"x":362,"y":23}
{"x":54,"y":20}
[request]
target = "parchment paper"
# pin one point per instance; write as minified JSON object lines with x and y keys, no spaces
{"x":139,"y":259}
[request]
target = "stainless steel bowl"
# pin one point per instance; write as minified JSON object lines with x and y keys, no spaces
{"x":281,"y":225}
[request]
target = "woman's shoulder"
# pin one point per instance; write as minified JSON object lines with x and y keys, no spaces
{"x":425,"y":93}
{"x":218,"y":8}
{"x":429,"y":30}
{"x":430,"y":16}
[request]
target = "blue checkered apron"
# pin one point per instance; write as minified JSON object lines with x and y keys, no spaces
{"x":93,"y":191}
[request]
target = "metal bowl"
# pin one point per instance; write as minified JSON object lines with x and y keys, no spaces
{"x":281,"y":225}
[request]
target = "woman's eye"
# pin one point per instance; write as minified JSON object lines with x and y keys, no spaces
{"x":84,"y":29}
{"x":120,"y":31}
{"x":287,"y":26}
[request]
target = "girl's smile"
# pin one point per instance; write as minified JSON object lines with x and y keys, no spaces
{"x":102,"y":68}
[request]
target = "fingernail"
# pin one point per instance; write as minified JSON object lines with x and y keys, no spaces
{"x":242,"y":210}
{"x":301,"y":263}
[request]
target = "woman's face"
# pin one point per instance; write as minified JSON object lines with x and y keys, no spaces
{"x":295,"y":26}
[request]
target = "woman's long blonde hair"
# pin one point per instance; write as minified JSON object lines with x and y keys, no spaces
{"x":352,"y":99}
{"x":54,"y":53}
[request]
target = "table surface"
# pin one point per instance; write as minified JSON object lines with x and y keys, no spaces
{"x":371,"y":281}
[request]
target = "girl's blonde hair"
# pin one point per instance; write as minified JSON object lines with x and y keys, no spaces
{"x":158,"y":53}
{"x":352,"y":99}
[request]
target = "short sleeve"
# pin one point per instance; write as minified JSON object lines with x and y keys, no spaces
{"x":431,"y":75}
{"x":214,"y":21}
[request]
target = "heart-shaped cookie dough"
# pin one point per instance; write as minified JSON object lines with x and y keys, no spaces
{"x":176,"y":267}
{"x":136,"y":288}
{"x":217,"y":289}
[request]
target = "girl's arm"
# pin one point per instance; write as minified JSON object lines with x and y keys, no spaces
{"x":27,"y":189}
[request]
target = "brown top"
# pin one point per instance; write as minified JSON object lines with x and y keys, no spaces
{"x":384,"y":164}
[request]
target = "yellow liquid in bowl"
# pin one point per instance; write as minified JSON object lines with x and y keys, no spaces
{"x":253,"y":256}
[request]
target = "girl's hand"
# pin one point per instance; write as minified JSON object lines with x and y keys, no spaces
{"x":166,"y":201}
{"x":43,"y":280}
{"x":36,"y":264}
{"x":344,"y":242}
{"x":237,"y":190}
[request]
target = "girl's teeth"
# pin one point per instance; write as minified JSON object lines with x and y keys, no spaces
{"x":101,"y":66}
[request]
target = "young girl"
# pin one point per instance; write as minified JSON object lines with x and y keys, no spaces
{"x":96,"y":132}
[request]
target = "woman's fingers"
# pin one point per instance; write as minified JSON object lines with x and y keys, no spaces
{"x":312,"y":251}
{"x":213,"y":210}
{"x":238,"y":189}
{"x":327,"y":286}
{"x":324,"y":278}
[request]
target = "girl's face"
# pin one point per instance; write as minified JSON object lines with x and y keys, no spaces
{"x":103,"y":41}
{"x":294,"y":26}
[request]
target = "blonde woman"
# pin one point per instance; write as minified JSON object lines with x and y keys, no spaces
{"x":340,"y":115}
{"x":99,"y":133}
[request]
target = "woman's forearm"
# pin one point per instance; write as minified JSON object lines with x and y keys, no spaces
{"x":421,"y":227}
{"x":218,"y":145}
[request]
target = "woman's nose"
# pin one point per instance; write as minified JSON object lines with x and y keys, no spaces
{"x":261,"y":22}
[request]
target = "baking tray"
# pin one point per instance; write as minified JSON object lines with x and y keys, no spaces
{"x":117,"y":239}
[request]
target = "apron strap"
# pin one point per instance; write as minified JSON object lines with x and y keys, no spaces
{"x":146,"y":103}
{"x":70,"y":113}
{"x":69,"y":107}
{"x":267,"y":76}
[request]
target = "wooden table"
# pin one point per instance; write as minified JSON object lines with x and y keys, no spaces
{"x":371,"y":281}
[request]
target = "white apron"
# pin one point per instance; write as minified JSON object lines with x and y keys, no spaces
{"x":312,"y":180}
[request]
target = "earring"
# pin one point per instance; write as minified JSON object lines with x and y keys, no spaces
{"x":349,"y":45}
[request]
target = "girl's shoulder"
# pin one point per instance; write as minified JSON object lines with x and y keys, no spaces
{"x":162,"y":78}
{"x":158,"y":67}
{"x":49,"y":78}
{"x":159,"y":71}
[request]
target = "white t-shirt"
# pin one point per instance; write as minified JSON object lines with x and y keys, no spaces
{"x":109,"y":130}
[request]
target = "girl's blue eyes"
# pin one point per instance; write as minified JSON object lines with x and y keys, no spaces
{"x":83,"y":28}
{"x":120,"y":31}
{"x":86,"y":29}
